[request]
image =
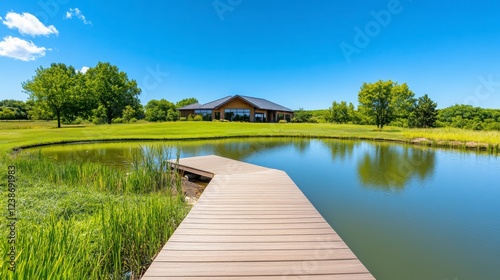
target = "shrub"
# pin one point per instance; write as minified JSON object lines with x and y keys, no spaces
{"x":133,"y":120}
{"x":198,"y":118}
{"x":182,"y":119}
{"x":282,"y":121}
{"x":117,"y":120}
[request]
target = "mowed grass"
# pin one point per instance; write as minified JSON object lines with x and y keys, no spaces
{"x":22,"y":134}
{"x":14,"y":138}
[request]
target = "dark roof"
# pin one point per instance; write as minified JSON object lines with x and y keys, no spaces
{"x":216,"y":103}
{"x":264,"y":104}
{"x":191,"y":106}
{"x":259,"y":103}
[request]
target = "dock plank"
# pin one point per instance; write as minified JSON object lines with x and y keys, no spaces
{"x":252,"y":223}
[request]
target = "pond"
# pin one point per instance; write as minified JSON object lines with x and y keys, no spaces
{"x":408,"y":212}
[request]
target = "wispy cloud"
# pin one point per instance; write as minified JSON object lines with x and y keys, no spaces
{"x":78,"y":14}
{"x":20,"y":49}
{"x":28,"y":24}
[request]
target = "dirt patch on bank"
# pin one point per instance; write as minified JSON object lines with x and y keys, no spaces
{"x":193,"y":189}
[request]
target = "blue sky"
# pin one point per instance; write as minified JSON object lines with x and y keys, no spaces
{"x":296,"y":53}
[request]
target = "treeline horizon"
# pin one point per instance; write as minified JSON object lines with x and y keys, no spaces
{"x":104,"y":94}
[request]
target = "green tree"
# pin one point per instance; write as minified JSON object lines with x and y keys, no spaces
{"x":128,"y":113}
{"x":186,"y":101}
{"x":158,"y":110}
{"x":403,"y":103}
{"x":341,"y":112}
{"x":301,"y":116}
{"x":112,"y":89}
{"x":7,"y":113}
{"x":56,"y":89}
{"x":14,"y":109}
{"x":383,"y":101}
{"x":425,"y":112}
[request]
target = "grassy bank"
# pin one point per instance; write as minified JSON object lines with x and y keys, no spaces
{"x":88,"y":221}
{"x":23,"y":134}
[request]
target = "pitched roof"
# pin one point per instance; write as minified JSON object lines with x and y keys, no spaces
{"x":264,"y":104}
{"x":216,"y":103}
{"x":259,"y":103}
{"x":191,"y":106}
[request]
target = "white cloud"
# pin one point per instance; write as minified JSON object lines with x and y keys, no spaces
{"x":84,"y":69}
{"x":28,"y":24}
{"x":20,"y":49}
{"x":77,"y":13}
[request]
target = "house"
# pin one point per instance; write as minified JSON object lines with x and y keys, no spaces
{"x":239,"y":108}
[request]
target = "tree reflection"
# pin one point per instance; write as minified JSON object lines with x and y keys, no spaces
{"x":119,"y":156}
{"x":392,"y":166}
{"x":340,"y":149}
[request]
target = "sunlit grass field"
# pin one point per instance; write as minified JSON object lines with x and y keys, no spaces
{"x":21,"y":134}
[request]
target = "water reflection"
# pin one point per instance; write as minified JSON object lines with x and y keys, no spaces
{"x":341,"y":149}
{"x":240,"y":149}
{"x":380,"y":165}
{"x":453,"y":222}
{"x":392,"y":166}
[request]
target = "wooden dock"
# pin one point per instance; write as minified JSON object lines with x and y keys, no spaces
{"x":252,"y":222}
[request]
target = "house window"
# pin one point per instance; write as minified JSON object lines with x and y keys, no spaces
{"x":206,"y":114}
{"x":217,"y":115}
{"x":260,"y":117}
{"x":281,"y":117}
{"x":237,"y":115}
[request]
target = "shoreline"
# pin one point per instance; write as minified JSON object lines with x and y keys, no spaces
{"x":419,"y":141}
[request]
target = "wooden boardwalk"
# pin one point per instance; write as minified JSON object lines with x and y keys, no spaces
{"x":252,"y":223}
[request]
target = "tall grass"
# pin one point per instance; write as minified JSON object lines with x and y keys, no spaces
{"x":88,"y":221}
{"x":489,"y":140}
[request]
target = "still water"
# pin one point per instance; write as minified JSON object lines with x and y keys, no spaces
{"x":407,"y":212}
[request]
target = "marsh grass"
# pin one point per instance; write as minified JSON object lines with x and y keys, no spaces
{"x":458,"y":138}
{"x":88,"y":221}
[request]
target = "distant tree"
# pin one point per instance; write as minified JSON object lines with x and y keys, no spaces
{"x":341,"y":112}
{"x":469,"y":117}
{"x":383,"y":101}
{"x":13,"y":109}
{"x":186,"y":101}
{"x":56,"y":89}
{"x":301,"y":116}
{"x":128,"y":113}
{"x":112,"y":89}
{"x":425,"y":112}
{"x":7,"y":113}
{"x":158,"y":110}
{"x":172,"y":115}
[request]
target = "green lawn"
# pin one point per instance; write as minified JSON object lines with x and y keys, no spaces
{"x":21,"y":134}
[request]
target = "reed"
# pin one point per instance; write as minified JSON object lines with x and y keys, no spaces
{"x":88,"y":221}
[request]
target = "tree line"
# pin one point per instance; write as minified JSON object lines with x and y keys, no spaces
{"x":389,"y":103}
{"x":103,"y":94}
